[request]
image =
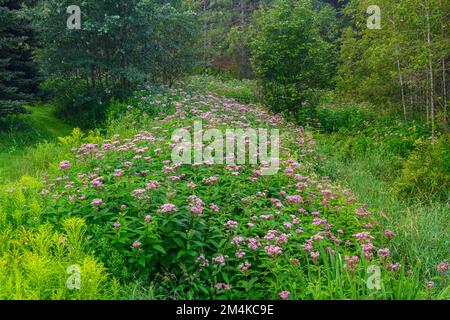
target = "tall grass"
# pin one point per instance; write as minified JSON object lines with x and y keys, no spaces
{"x":421,"y":227}
{"x":27,"y":142}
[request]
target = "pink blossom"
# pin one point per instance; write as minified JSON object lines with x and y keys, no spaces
{"x":196,"y":201}
{"x":253,"y":243}
{"x":168,"y":207}
{"x":383,"y":253}
{"x":195,"y":209}
{"x":284,"y":295}
{"x":222,"y":286}
{"x":393,"y":266}
{"x":214,"y":207}
{"x":237,"y":241}
{"x":220,"y":260}
{"x":363,"y":236}
{"x":231,"y":224}
{"x":350,"y":263}
{"x":362,"y":212}
{"x":152,"y":185}
{"x":389,"y":233}
{"x":64,"y":165}
{"x":136,"y":244}
{"x":288,"y":225}
{"x":96,"y":202}
{"x":442,"y":267}
{"x":245,"y":266}
{"x":203,"y":261}
{"x":191,"y":185}
{"x":294,"y":199}
{"x":273,"y":251}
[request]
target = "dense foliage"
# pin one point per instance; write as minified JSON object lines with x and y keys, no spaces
{"x":290,"y":56}
{"x":211,"y":231}
{"x":404,"y":63}
{"x":357,"y":210}
{"x":18,"y":72}
{"x":119,"y":46}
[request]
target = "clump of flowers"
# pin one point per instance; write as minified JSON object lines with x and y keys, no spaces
{"x":273,"y":251}
{"x":245,"y":266}
{"x":442,"y":267}
{"x":384,"y":253}
{"x":351,"y":263}
{"x":202,"y":261}
{"x":96,"y":202}
{"x":222,"y":286}
{"x":65,"y":165}
{"x":168,"y":207}
{"x":389,"y":234}
{"x":196,"y":205}
{"x":136,"y":244}
{"x":220,"y":260}
{"x":284,"y":295}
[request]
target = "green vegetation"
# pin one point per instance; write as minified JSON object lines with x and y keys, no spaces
{"x":18,"y":71}
{"x":94,"y":205}
{"x":392,"y":167}
{"x":291,"y":59}
{"x":19,"y":154}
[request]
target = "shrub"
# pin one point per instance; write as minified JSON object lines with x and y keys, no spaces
{"x":77,"y":103}
{"x":426,"y":172}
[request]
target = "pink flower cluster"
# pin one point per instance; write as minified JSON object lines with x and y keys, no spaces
{"x":273,"y":251}
{"x":196,"y":205}
{"x":168,"y":207}
{"x":220,"y":260}
{"x":351,"y":263}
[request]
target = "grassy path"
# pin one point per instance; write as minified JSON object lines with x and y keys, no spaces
{"x":24,"y":132}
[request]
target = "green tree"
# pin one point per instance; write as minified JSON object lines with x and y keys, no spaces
{"x":290,"y":57}
{"x":403,"y":65}
{"x":120,"y":44}
{"x":19,"y":78}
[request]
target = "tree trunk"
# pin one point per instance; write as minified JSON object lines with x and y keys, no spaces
{"x":430,"y":63}
{"x":444,"y":80}
{"x":399,"y":71}
{"x":444,"y":94}
{"x":427,"y":94}
{"x":400,"y":78}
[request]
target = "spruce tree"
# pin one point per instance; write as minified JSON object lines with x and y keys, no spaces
{"x":18,"y":71}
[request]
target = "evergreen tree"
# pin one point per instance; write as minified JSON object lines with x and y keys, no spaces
{"x":18,"y":71}
{"x":120,"y":43}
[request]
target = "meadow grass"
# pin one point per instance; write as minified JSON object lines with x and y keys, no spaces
{"x":422,"y":228}
{"x":19,"y":137}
